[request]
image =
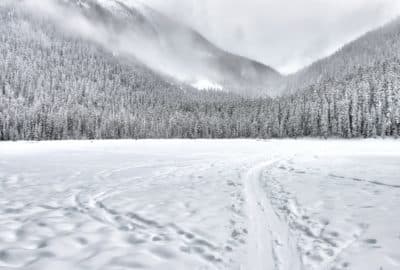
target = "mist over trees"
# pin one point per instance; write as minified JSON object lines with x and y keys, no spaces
{"x":367,"y":51}
{"x":57,"y":86}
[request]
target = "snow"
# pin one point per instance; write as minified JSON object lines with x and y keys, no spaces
{"x":206,"y":85}
{"x":136,"y":4}
{"x":83,"y":4}
{"x":199,"y":204}
{"x":109,"y":4}
{"x":115,"y":6}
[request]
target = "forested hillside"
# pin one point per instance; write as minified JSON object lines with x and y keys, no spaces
{"x":365,"y":103}
{"x":57,"y":86}
{"x":369,"y":50}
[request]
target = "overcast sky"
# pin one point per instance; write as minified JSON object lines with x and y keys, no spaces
{"x":285,"y":34}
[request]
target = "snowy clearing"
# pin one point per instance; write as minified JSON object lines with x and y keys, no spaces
{"x":180,"y":204}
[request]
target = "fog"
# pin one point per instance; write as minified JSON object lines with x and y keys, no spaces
{"x":285,"y":34}
{"x":125,"y":41}
{"x":162,"y":44}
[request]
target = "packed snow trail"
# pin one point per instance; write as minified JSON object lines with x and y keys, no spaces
{"x":270,"y":245}
{"x":180,"y":204}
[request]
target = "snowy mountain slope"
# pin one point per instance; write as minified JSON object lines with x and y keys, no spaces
{"x":77,"y":89}
{"x":192,"y":56}
{"x":371,"y":49}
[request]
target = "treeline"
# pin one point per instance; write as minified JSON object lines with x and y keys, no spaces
{"x":54,"y":86}
{"x":363,"y":104}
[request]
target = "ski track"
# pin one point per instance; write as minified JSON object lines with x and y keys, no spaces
{"x":199,"y":205}
{"x":270,"y":245}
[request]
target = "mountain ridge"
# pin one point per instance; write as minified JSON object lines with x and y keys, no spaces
{"x":365,"y":51}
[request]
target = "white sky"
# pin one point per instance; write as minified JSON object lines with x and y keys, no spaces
{"x":285,"y":34}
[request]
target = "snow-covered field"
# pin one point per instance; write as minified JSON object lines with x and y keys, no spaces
{"x":228,"y":204}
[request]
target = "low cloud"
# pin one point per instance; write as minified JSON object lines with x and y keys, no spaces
{"x":126,"y":41}
{"x":286,"y":34}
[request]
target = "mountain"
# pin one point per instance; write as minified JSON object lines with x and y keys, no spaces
{"x":181,"y":52}
{"x":352,"y":93}
{"x":57,"y":85}
{"x":62,"y":76}
{"x":367,"y":51}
